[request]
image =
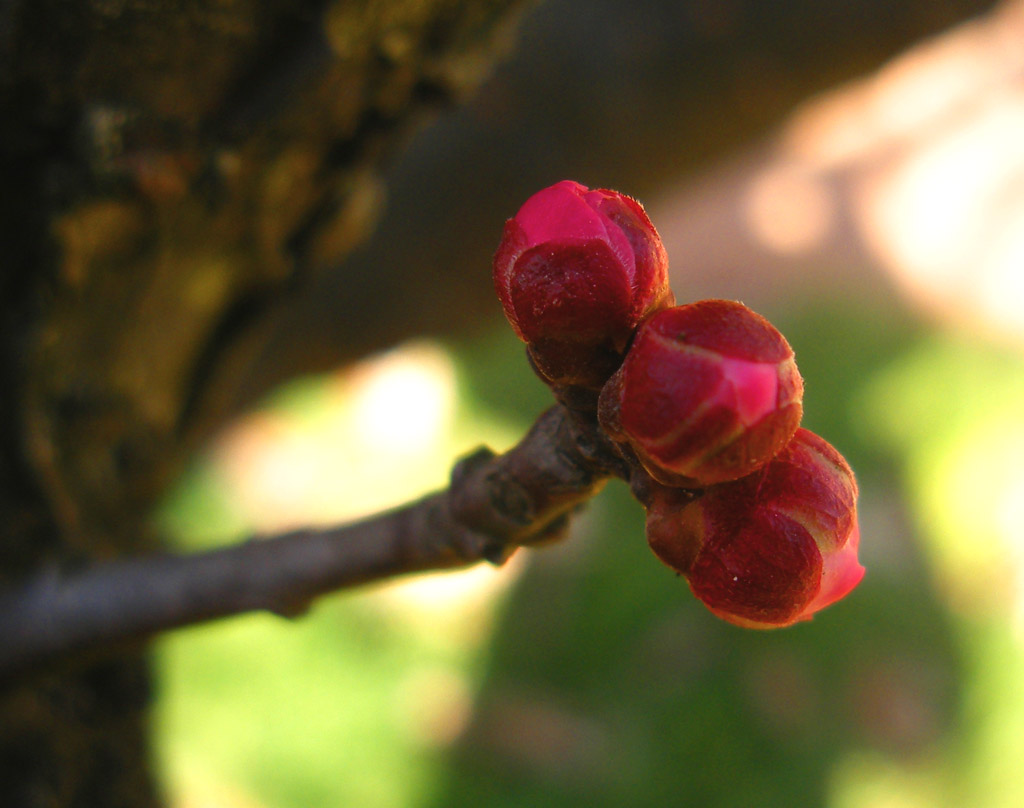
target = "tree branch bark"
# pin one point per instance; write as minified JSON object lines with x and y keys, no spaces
{"x":494,"y":504}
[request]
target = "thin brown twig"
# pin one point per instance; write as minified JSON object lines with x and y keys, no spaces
{"x":494,"y":504}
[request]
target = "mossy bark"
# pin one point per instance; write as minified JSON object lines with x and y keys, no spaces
{"x":172,"y":172}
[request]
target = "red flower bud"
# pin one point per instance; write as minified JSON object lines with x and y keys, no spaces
{"x":576,"y":271}
{"x":709,"y":392}
{"x":771,"y":548}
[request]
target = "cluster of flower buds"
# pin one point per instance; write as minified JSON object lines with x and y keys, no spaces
{"x":703,"y":400}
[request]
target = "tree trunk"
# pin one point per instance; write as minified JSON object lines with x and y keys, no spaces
{"x":172,"y":173}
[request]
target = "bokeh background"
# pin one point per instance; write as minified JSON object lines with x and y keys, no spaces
{"x":880,"y":226}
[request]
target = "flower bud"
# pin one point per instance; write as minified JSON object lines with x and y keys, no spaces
{"x":771,"y":548}
{"x":576,"y":271}
{"x":709,"y":392}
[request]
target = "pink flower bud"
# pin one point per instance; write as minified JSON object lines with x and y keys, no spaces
{"x":771,"y":548}
{"x":576,"y":271}
{"x":709,"y":392}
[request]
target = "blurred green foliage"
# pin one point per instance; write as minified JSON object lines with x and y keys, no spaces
{"x":596,"y":679}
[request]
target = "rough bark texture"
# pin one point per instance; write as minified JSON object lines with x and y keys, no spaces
{"x":172,"y":172}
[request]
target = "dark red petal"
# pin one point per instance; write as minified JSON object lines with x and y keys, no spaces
{"x":572,"y":291}
{"x":724,"y":326}
{"x":764,"y":570}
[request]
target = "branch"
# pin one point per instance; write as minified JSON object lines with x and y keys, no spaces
{"x":494,"y":504}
